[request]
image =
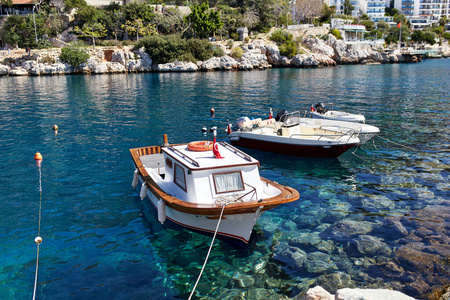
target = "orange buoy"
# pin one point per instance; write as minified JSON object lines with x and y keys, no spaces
{"x":212,"y":110}
{"x":200,"y":146}
{"x":38,"y":158}
{"x":55,"y":127}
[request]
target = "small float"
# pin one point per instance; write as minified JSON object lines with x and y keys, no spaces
{"x":196,"y":184}
{"x":320,"y":111}
{"x":287,"y":134}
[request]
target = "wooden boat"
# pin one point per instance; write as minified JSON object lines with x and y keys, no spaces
{"x":322,"y":112}
{"x":192,"y":188}
{"x":287,"y":135}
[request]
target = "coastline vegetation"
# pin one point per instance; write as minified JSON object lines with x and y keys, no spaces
{"x":172,"y":33}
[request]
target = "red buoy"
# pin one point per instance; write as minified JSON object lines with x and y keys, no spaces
{"x":38,"y":158}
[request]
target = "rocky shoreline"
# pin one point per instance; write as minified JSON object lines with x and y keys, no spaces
{"x":259,"y":54}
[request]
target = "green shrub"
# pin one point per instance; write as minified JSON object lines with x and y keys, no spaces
{"x":229,"y":44}
{"x":218,"y":51}
{"x":163,"y":49}
{"x":247,"y":39}
{"x":234,"y":36}
{"x":281,"y":36}
{"x":288,"y":49}
{"x":336,"y":33}
{"x":200,"y":49}
{"x":446,"y":35}
{"x":237,"y":52}
{"x":75,"y":54}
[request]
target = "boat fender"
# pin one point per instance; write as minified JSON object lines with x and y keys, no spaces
{"x":135,"y":179}
{"x":161,"y":211}
{"x":144,"y":189}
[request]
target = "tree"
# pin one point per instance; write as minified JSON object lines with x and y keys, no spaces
{"x":370,"y":25}
{"x":443,"y":21}
{"x":348,"y":8}
{"x":327,"y":12}
{"x":307,"y":10}
{"x":137,"y":27}
{"x":390,"y":11}
{"x":280,"y":8}
{"x":382,"y":26}
{"x":203,"y":22}
{"x":141,"y":11}
{"x":91,"y":30}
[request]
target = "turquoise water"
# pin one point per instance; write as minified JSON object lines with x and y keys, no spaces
{"x":363,"y":220}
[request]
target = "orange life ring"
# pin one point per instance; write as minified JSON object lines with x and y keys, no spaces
{"x":200,"y":146}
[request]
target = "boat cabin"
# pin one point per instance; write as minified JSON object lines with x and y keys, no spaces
{"x":199,"y":177}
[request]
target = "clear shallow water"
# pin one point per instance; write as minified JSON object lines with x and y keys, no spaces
{"x":359,"y":223}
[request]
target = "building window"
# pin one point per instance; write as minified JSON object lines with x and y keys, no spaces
{"x":228,"y":182}
{"x":179,"y":177}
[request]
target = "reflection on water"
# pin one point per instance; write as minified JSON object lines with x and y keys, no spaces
{"x":379,"y":219}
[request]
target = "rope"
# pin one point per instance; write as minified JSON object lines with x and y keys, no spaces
{"x":38,"y":239}
{"x":396,"y":143}
{"x":354,"y":153}
{"x":209,"y":251}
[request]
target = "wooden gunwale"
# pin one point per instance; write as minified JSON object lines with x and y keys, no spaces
{"x":287,"y":194}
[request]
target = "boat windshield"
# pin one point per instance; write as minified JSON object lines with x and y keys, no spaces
{"x":228,"y":182}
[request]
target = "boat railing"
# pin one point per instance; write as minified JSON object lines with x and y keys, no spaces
{"x":235,"y":151}
{"x":179,"y":153}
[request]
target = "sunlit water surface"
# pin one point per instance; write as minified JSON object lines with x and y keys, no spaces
{"x":360,"y":220}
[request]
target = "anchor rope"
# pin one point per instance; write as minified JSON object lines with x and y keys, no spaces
{"x":354,"y":153}
{"x":209,"y":252}
{"x":39,"y":231}
{"x":396,"y":143}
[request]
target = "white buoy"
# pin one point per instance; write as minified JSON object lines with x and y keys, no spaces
{"x":38,"y":240}
{"x":144,"y":189}
{"x":161,"y":211}
{"x":135,"y":179}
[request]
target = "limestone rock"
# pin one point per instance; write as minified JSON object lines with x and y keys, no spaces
{"x":318,"y":45}
{"x":4,"y":70}
{"x":19,"y":71}
{"x":370,"y":294}
{"x":312,"y":60}
{"x":318,"y":293}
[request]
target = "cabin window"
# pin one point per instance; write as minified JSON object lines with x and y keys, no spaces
{"x":179,"y":178}
{"x":169,"y":163}
{"x":228,"y":182}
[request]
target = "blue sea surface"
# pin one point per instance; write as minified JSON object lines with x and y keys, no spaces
{"x":377,"y":217}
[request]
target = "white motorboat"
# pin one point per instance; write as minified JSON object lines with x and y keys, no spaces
{"x":194,"y":184}
{"x":324,"y":112}
{"x":365,"y":131}
{"x":286,"y":134}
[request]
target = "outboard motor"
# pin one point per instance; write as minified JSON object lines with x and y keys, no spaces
{"x":239,"y":122}
{"x":320,"y":108}
{"x":281,"y":116}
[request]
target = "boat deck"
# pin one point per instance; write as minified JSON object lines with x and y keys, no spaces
{"x":153,"y":161}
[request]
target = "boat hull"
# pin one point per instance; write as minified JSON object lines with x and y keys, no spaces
{"x":235,"y":227}
{"x":301,"y":150}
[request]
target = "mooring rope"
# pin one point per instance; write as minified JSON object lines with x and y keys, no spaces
{"x":38,"y":239}
{"x":354,"y":153}
{"x":209,"y":251}
{"x":395,"y":143}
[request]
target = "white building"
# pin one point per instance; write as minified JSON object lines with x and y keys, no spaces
{"x":375,"y":9}
{"x":423,"y":13}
